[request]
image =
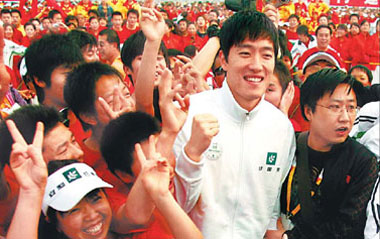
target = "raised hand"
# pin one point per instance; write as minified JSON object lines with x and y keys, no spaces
{"x":26,"y":161}
{"x":204,"y":128}
{"x":155,"y":171}
{"x":173,"y":117}
{"x":152,"y":24}
{"x":287,"y":98}
{"x":120,"y":104}
{"x":272,"y":13}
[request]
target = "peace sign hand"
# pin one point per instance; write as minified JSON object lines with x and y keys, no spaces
{"x":26,"y":161}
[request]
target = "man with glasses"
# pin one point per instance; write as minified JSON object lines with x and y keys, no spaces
{"x":331,"y":180}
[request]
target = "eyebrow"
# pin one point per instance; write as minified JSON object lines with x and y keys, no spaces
{"x":269,"y":48}
{"x":64,"y":143}
{"x":340,"y":101}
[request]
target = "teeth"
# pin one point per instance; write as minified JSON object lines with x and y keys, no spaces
{"x":253,"y":79}
{"x":95,"y":229}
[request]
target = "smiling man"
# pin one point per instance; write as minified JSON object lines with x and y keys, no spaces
{"x":339,"y":172}
{"x":235,"y":148}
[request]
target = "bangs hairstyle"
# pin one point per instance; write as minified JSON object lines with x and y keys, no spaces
{"x":324,"y":82}
{"x":120,"y":136}
{"x":247,"y":24}
{"x":134,"y":47}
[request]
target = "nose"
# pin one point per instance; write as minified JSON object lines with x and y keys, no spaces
{"x":76,"y":151}
{"x":90,"y":212}
{"x":255,"y":64}
{"x":344,"y":115}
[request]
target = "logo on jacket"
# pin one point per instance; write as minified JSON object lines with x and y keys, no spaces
{"x":271,"y":158}
{"x":214,"y":151}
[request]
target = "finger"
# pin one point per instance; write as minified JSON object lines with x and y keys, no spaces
{"x":39,"y":135}
{"x":165,"y":83}
{"x":116,"y":99}
{"x":106,"y":107}
{"x":152,"y":147}
{"x":184,"y":58}
{"x":36,"y":156}
{"x":16,"y":135}
{"x":140,"y":154}
{"x":158,"y":15}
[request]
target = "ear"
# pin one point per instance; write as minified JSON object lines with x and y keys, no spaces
{"x":39,"y":83}
{"x":127,"y":70}
{"x":308,"y":112}
{"x":88,"y":119}
{"x":223,"y":61}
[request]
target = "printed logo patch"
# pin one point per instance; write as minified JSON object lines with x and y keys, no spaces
{"x":214,"y":152}
{"x":271,"y":158}
{"x":71,"y":175}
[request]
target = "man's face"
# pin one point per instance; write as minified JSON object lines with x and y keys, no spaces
{"x":6,"y":18}
{"x":182,"y":26}
{"x":323,"y":38}
{"x":323,"y":21}
{"x":16,"y":19}
{"x":54,"y":92}
{"x":355,"y":30}
{"x":293,"y":22}
{"x":328,"y":128}
{"x":57,"y":18}
{"x":46,"y":23}
{"x":361,"y":76}
{"x":192,"y":29}
{"x":60,"y":144}
{"x":132,"y":20}
{"x":365,"y":27}
{"x":340,"y":33}
{"x":354,"y":19}
{"x":249,"y":66}
{"x":160,"y":66}
{"x":303,"y":38}
{"x":104,"y":88}
{"x":212,"y":16}
{"x":316,"y":66}
{"x":117,"y":21}
{"x":105,"y":48}
{"x":94,"y":24}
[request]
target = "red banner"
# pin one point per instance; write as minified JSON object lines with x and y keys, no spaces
{"x":355,"y":3}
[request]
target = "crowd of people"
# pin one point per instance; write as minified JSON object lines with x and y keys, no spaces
{"x":122,"y":119}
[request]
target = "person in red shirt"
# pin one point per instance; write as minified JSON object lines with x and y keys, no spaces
{"x":171,"y":40}
{"x":338,"y":42}
{"x":291,"y":32}
{"x":30,"y":31}
{"x":131,"y":25}
{"x":117,"y":25}
{"x":94,"y":27}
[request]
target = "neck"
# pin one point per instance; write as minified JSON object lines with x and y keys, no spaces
{"x":315,"y":143}
{"x":93,"y":142}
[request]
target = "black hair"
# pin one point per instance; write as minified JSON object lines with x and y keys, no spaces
{"x":30,"y":24}
{"x":16,"y":11}
{"x":174,"y":52}
{"x":332,"y":26}
{"x":35,"y":19}
{"x":342,"y":27}
{"x":247,"y":24}
{"x":190,"y":50}
{"x":294,"y":16}
{"x":82,"y":39}
{"x":52,"y":13}
{"x":324,"y":82}
{"x":354,"y":15}
{"x":364,"y":69}
{"x":5,"y":11}
{"x":117,"y":13}
{"x":43,"y":56}
{"x":120,"y":136}
{"x":362,"y":22}
{"x":93,"y":11}
{"x":355,"y":24}
{"x":26,"y":119}
{"x":183,"y":20}
{"x":112,"y":36}
{"x":70,"y":18}
{"x":302,"y":30}
{"x":79,"y":90}
{"x":321,"y":27}
{"x":92,"y":18}
{"x":281,"y":71}
{"x":134,"y":47}
{"x":134,"y":11}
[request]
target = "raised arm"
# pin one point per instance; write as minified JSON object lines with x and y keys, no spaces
{"x":156,"y":180}
{"x":27,"y":163}
{"x":153,"y":26}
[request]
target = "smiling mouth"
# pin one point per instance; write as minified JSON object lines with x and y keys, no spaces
{"x":342,"y":129}
{"x":94,"y":230}
{"x":253,"y":79}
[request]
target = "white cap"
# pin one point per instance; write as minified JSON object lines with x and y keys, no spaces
{"x":318,"y":56}
{"x":68,"y":185}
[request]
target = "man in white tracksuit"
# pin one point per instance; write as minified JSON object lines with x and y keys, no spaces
{"x":235,"y":148}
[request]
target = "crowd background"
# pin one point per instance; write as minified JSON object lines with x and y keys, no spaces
{"x":351,"y":42}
